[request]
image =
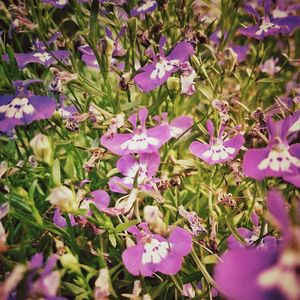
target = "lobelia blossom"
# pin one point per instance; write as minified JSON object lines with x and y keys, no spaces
{"x":278,"y":159}
{"x":99,"y":198}
{"x":11,"y":282}
{"x":219,"y":149}
{"x":251,"y":237}
{"x":238,"y":51}
{"x":187,"y":77}
{"x":154,"y":253}
{"x":144,"y":168}
{"x":269,"y":25}
{"x":156,"y":73}
{"x":40,"y":54}
{"x":285,"y":8}
{"x":118,"y":51}
{"x":262,"y":273}
{"x":141,"y":140}
{"x":24,"y":107}
{"x":269,"y":66}
{"x":42,"y":281}
{"x":146,"y":7}
{"x":178,"y":126}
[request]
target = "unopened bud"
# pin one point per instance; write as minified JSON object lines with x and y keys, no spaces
{"x":102,"y":289}
{"x":41,"y":148}
{"x":109,"y":48}
{"x":173,"y":84}
{"x":63,"y":198}
{"x":154,"y":217}
{"x":69,"y":261}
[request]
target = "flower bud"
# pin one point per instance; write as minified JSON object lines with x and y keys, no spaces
{"x":102,"y":288}
{"x":109,"y":48}
{"x":154,"y":217}
{"x":69,"y":261}
{"x":3,"y":168}
{"x":173,"y":84}
{"x":63,"y":198}
{"x":41,"y":148}
{"x":188,"y":291}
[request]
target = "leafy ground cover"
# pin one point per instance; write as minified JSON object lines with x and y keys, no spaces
{"x":150,"y":149}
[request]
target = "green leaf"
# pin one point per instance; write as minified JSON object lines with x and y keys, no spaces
{"x":112,"y":239}
{"x":112,"y":172}
{"x":132,"y":26}
{"x":74,"y":289}
{"x":70,"y":166}
{"x":32,"y":188}
{"x":210,"y":259}
{"x":122,"y":227}
{"x":56,"y":172}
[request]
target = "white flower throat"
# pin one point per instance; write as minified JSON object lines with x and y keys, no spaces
{"x":148,"y":4}
{"x":265,"y":26}
{"x":218,"y":151}
{"x":155,"y":251}
{"x":139,"y":141}
{"x":163,"y":66}
{"x":283,"y":275}
{"x":279,"y":159}
{"x":43,"y":57}
{"x":142,"y":174}
{"x":17,"y":107}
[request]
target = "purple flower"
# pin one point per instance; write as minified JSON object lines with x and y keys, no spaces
{"x":180,"y":125}
{"x":187,"y":77}
{"x":99,"y":198}
{"x":147,"y":6}
{"x":278,"y":159}
{"x":24,"y":107}
{"x":177,"y":126}
{"x":141,"y":140}
{"x":268,"y":25}
{"x":89,"y":57}
{"x":59,"y":219}
{"x":251,"y":237}
{"x":118,"y":50}
{"x":42,"y":281}
{"x":263,"y":274}
{"x":269,"y":66}
{"x":144,"y":168}
{"x":56,"y":3}
{"x":239,"y":51}
{"x":40,"y":54}
{"x":219,"y":149}
{"x":154,"y":253}
{"x":155,"y":74}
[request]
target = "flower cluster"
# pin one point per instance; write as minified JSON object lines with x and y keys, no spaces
{"x":150,"y":149}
